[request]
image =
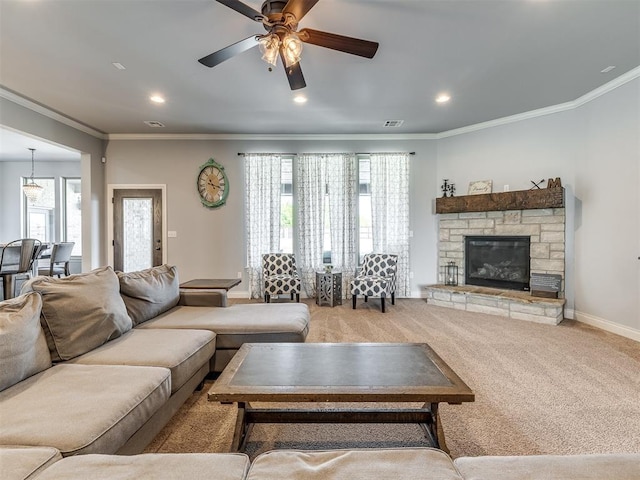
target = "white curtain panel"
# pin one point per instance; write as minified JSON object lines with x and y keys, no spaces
{"x":310,"y":187}
{"x":262,"y":216}
{"x":390,"y":211}
{"x":342,"y":179}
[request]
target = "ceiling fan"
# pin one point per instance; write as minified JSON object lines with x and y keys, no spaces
{"x":280,"y":19}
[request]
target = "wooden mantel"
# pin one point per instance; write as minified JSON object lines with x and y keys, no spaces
{"x":488,"y":202}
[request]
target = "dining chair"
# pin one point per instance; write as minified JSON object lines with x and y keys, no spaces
{"x":16,"y":260}
{"x":59,"y":261}
{"x":376,"y":278}
{"x":280,"y":275}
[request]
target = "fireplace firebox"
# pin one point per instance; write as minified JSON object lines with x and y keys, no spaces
{"x":498,"y":261}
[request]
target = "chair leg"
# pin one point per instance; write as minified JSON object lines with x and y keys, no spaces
{"x":353,"y":301}
{"x":382,"y":303}
{"x":297,"y":297}
{"x":366,"y":299}
{"x":393,"y":299}
{"x":267,"y":298}
{"x":9,"y":286}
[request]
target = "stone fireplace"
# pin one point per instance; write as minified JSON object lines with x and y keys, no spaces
{"x":538,"y":216}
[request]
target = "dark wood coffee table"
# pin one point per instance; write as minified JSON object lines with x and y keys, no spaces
{"x":339,"y":373}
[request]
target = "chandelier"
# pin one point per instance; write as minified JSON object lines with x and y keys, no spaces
{"x":32,"y":190}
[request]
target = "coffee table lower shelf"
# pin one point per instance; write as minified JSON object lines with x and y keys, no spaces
{"x":426,"y":417}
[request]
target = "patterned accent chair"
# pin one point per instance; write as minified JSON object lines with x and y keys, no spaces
{"x":376,"y":278}
{"x":280,"y":275}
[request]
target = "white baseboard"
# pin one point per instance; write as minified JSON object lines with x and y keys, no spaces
{"x":238,"y":294}
{"x":608,"y":325}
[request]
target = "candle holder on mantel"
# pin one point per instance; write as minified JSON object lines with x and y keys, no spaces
{"x":451,"y":274}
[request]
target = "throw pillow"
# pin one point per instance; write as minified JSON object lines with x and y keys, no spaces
{"x":150,"y":292}
{"x":80,"y":312}
{"x":23,"y":347}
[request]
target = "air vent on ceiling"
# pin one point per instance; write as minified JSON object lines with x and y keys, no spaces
{"x":154,"y":124}
{"x":393,"y":123}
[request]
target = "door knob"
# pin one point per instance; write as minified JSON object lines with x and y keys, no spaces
{"x":158,"y":245}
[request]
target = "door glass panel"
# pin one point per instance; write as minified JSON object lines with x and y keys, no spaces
{"x":41,"y":213}
{"x":137,"y":216}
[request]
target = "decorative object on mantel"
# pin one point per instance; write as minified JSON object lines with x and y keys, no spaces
{"x":518,"y":200}
{"x":32,"y":190}
{"x":536,"y":184}
{"x":480,"y":186}
{"x":551,"y":183}
{"x":451,"y":274}
{"x":448,"y":189}
{"x":545,"y":285}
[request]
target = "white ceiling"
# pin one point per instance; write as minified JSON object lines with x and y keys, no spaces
{"x":496,"y":58}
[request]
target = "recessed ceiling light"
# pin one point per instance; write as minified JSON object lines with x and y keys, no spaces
{"x":443,"y":98}
{"x":118,"y":65}
{"x":300,"y":99}
{"x":608,"y":69}
{"x":156,"y":99}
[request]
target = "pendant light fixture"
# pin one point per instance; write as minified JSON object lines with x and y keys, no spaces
{"x":32,"y":190}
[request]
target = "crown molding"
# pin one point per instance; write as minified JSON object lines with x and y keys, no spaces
{"x":580,"y":101}
{"x":47,"y":112}
{"x":267,"y":137}
{"x":562,"y":107}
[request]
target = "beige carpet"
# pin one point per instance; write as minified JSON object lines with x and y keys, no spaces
{"x":539,"y":389}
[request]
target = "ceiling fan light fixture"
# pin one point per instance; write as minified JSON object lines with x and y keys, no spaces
{"x":291,"y":49}
{"x":269,"y":47}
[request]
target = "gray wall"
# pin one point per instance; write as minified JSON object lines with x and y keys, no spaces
{"x":211,"y":243}
{"x":593,"y":148}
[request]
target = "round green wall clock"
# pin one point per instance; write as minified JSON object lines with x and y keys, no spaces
{"x":213,"y":184}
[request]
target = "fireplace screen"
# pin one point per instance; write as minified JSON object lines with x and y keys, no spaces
{"x":500,"y":261}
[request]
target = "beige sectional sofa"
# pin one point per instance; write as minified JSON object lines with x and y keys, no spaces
{"x":95,"y":364}
{"x":86,"y":369}
{"x":379,"y":464}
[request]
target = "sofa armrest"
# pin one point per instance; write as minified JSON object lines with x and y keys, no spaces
{"x":212,"y":297}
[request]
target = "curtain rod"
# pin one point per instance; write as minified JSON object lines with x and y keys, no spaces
{"x":242,"y":154}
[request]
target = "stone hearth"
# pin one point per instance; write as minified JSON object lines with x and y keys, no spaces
{"x":505,"y":303}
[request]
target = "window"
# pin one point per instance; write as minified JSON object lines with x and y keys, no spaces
{"x":365,"y":231}
{"x":286,"y":206}
{"x":40,"y":215}
{"x":72,"y":214}
{"x":55,"y":217}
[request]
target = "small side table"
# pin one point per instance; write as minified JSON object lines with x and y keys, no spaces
{"x":329,"y":288}
{"x":211,"y":283}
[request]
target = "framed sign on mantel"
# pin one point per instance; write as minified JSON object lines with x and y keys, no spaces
{"x":480,"y":186}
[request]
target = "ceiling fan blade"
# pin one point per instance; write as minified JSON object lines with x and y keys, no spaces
{"x":298,"y":8}
{"x":294,"y":74}
{"x":226,"y":53}
{"x":354,"y":46}
{"x":245,"y":10}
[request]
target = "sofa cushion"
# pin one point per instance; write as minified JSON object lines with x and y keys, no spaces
{"x":80,"y":312}
{"x":23,"y":347}
{"x":557,"y":467}
{"x":82,"y":408}
{"x":183,"y":352}
{"x":156,"y":466}
{"x":149,"y":292}
{"x":379,"y":464}
{"x":238,"y":324}
{"x":23,"y":463}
